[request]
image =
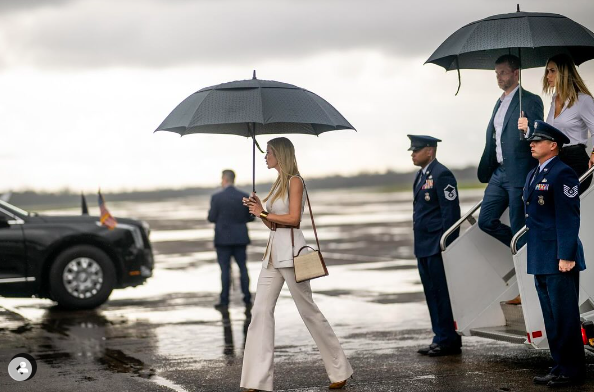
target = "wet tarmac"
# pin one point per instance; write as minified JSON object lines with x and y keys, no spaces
{"x":166,"y":335}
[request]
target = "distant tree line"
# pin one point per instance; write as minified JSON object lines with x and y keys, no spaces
{"x":390,"y":180}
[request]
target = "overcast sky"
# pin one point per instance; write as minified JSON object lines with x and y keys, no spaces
{"x":84,"y":83}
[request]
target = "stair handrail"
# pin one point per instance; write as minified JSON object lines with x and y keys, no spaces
{"x":515,"y":239}
{"x":468,"y":216}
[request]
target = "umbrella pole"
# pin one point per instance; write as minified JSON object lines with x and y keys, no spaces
{"x":253,"y":157}
{"x":522,"y":136}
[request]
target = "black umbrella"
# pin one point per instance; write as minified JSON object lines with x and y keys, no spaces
{"x":532,"y":36}
{"x":254,"y":107}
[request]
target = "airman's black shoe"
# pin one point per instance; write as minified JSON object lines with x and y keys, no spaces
{"x":564,"y":381}
{"x":425,"y":350}
{"x":544,"y":380}
{"x":441,"y":351}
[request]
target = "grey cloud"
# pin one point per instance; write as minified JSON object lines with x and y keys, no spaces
{"x":159,"y":33}
{"x":8,"y":6}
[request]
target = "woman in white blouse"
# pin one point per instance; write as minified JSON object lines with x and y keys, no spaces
{"x":284,"y":205}
{"x":572,"y":112}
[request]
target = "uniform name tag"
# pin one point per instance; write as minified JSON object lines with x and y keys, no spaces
{"x":542,"y":187}
{"x":428,"y":184}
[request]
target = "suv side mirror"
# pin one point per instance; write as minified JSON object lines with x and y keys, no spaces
{"x":4,"y":222}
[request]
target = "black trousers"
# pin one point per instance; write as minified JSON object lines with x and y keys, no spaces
{"x":224,"y":253}
{"x":558,"y":295}
{"x":577,"y":158}
{"x":435,"y":286}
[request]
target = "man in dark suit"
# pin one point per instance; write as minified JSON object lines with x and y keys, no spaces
{"x":506,"y":159}
{"x":230,"y":217}
{"x":555,"y":253}
{"x":436,"y":208}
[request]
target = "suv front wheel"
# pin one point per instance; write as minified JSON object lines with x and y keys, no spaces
{"x":82,"y":277}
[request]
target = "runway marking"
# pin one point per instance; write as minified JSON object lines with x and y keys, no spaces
{"x":167,"y":383}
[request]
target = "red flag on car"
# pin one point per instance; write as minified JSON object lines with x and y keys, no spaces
{"x":105,"y":217}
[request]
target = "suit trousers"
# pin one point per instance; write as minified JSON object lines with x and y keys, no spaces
{"x":224,"y":254}
{"x":258,"y":356}
{"x":578,"y":159}
{"x":499,"y":195}
{"x":558,"y":295}
{"x":435,"y":286}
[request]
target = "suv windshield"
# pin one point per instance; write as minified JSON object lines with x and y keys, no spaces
{"x":12,"y":208}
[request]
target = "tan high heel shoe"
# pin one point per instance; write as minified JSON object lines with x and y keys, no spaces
{"x":338,"y":385}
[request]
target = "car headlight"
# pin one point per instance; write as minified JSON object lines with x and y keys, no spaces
{"x":135,"y":234}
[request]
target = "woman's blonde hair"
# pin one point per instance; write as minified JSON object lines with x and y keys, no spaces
{"x":568,"y":82}
{"x":284,"y":152}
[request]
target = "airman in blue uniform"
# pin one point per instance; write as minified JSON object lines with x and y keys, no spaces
{"x":555,"y":253}
{"x":436,"y":208}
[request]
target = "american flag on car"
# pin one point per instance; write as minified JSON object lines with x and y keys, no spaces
{"x":106,"y":218}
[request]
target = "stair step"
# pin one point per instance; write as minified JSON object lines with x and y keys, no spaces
{"x":503,"y":334}
{"x":513,"y":316}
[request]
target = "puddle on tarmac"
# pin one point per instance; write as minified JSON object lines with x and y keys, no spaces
{"x":117,"y":361}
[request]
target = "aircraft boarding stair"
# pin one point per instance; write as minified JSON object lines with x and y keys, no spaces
{"x":482,"y":274}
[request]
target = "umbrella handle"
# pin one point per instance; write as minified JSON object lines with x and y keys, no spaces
{"x":459,"y":78}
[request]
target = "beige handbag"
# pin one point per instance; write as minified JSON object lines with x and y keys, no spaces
{"x":309,"y":265}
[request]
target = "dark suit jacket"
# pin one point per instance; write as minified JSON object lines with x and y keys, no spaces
{"x":552,"y":204}
{"x":436,"y":207}
{"x":230,"y":217}
{"x":517,"y":159}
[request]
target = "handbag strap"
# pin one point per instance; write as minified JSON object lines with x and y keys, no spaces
{"x":313,"y":224}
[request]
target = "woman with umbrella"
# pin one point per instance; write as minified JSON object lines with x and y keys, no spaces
{"x":284,"y":209}
{"x":572,"y":112}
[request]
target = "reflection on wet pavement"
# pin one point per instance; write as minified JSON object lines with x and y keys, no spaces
{"x":373,"y":297}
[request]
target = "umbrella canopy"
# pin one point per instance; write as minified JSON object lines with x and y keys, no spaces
{"x":533,"y":36}
{"x":254,"y":107}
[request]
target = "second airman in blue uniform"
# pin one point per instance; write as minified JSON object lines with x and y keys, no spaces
{"x":436,"y":208}
{"x":555,"y":253}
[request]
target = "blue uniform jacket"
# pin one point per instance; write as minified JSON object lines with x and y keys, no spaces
{"x":552,"y":204}
{"x":436,"y":207}
{"x":230,"y":217}
{"x":517,"y":158}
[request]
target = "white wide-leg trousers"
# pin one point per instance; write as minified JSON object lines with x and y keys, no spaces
{"x":258,"y":357}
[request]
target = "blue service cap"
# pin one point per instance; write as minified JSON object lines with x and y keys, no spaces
{"x":544,"y":131}
{"x":418,"y":142}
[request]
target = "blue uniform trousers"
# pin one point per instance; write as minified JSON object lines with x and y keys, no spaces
{"x":558,"y":295}
{"x":499,"y":195}
{"x":224,"y":253}
{"x":438,"y":300}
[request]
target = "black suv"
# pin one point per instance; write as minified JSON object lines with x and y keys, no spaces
{"x":73,"y":260}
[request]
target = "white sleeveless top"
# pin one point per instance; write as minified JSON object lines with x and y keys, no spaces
{"x":279,"y":249}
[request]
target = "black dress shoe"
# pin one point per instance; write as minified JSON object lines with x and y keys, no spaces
{"x":425,"y":350}
{"x":564,"y":381}
{"x":441,"y":351}
{"x":248,"y":309}
{"x":221,"y":306}
{"x":544,"y":380}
